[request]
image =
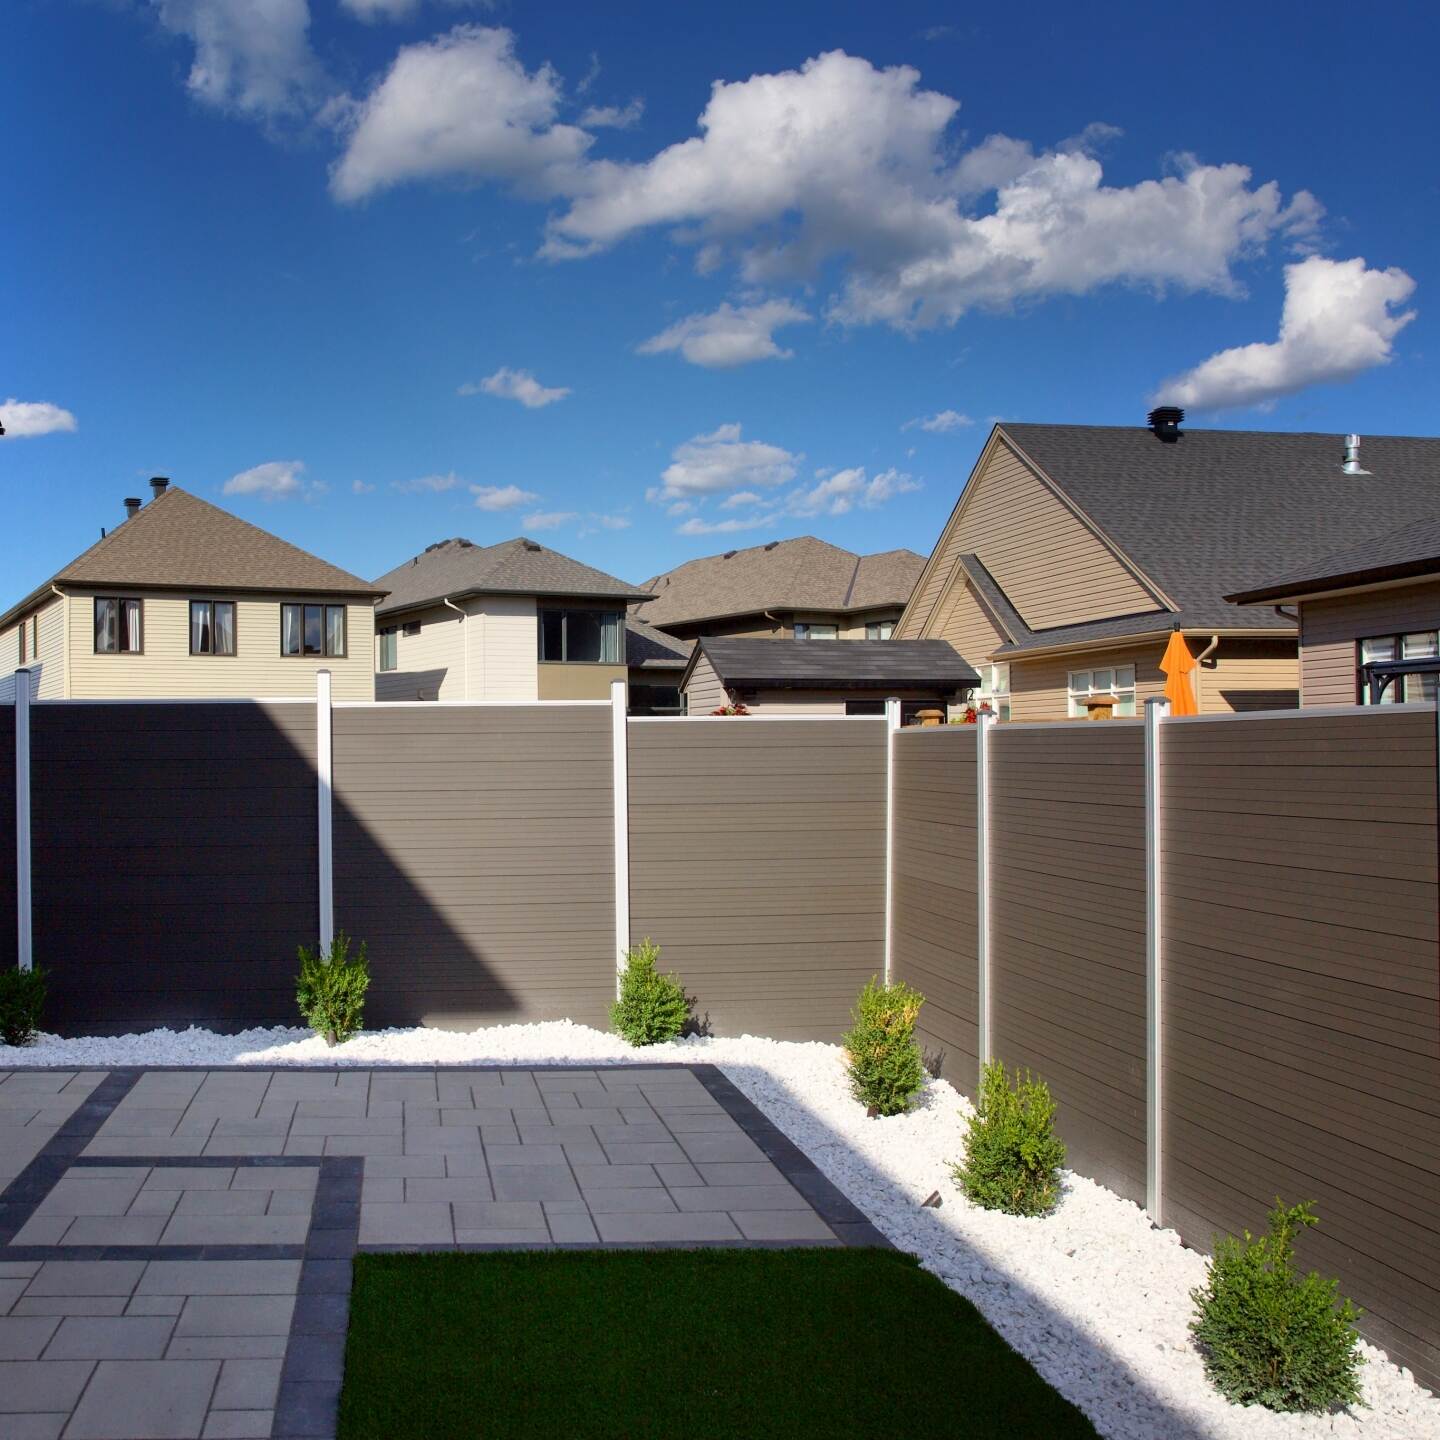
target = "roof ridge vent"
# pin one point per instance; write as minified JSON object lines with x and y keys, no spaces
{"x":529,"y":544}
{"x":729,"y":554}
{"x":1352,"y":465}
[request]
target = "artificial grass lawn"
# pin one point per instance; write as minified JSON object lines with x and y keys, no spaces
{"x":680,"y":1343}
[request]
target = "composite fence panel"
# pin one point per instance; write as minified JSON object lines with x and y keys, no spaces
{"x":933,"y":942}
{"x":757,"y":863}
{"x":475,"y":855}
{"x":174,"y":865}
{"x":7,"y":837}
{"x":1302,"y":998}
{"x":1067,"y":932}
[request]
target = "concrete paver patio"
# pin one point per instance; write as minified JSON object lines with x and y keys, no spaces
{"x":175,"y":1244}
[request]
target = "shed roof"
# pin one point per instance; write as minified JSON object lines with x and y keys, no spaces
{"x":836,"y":664}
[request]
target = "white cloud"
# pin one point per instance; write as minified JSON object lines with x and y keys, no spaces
{"x":274,"y":480}
{"x":25,"y":419}
{"x":362,"y":487}
{"x":252,"y":57}
{"x":722,"y":461}
{"x":519,"y":385}
{"x":729,"y":336}
{"x":427,"y":484}
{"x":463,"y":106}
{"x":1339,"y":318}
{"x":841,"y":492}
{"x":613,"y":117}
{"x":549,"y":519}
{"x":696,"y":526}
{"x":501,"y":497}
{"x":612,"y":522}
{"x":372,"y":12}
{"x":940,"y":423}
{"x":743,"y":497}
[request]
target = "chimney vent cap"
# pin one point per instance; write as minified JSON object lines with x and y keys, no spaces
{"x":1352,"y":465}
{"x":159,"y":484}
{"x":1165,"y":421}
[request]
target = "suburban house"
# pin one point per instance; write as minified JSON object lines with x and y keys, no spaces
{"x":857,"y":679}
{"x":1075,"y":551}
{"x":184,"y":600}
{"x":1375,"y":604}
{"x":512,"y":621}
{"x":655,"y":662}
{"x":803,"y":589}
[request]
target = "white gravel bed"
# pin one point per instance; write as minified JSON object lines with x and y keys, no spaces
{"x":1093,"y":1296}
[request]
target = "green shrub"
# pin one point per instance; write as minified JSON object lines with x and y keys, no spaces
{"x":331,"y":989}
{"x":1270,"y":1336}
{"x":886,"y":1071}
{"x":22,"y":997}
{"x":652,"y":1007}
{"x":1012,"y":1154}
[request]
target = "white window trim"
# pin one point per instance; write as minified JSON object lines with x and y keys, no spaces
{"x":1077,"y":695}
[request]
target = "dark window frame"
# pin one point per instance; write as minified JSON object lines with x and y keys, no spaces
{"x":117,"y":601}
{"x":391,"y":633}
{"x":565,"y":611}
{"x":1400,"y":686}
{"x":234,"y":628}
{"x":325,"y":652}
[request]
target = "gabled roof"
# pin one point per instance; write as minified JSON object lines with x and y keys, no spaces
{"x":1408,"y":552}
{"x":1217,"y":512}
{"x":647,"y":648}
{"x":800,"y":574}
{"x":835,"y":664}
{"x":181,"y":542}
{"x":513,"y":567}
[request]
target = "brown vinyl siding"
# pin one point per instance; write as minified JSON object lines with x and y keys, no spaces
{"x":7,"y":837}
{"x":933,"y":943}
{"x":474,"y":853}
{"x":1067,"y":932}
{"x":757,"y":855}
{"x":1330,"y":628}
{"x":174,"y":866}
{"x":1302,"y":999}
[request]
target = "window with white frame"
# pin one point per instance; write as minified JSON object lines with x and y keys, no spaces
{"x":805,"y":631}
{"x":994,"y":689}
{"x":1116,"y":680}
{"x":879,"y":629}
{"x":1418,"y":645}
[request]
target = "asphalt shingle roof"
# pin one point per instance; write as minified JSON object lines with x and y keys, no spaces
{"x":652,"y":649}
{"x":513,"y":567}
{"x":837,"y":664}
{"x":1218,"y":512}
{"x":800,"y":574}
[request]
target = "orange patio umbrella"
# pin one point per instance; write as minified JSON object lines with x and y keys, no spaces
{"x":1177,"y":663}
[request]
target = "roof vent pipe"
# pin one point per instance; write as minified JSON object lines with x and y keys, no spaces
{"x":1352,"y":465}
{"x":158,"y":485}
{"x":132,"y":507}
{"x":1165,"y":421}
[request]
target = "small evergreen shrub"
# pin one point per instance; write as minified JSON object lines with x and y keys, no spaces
{"x":1270,"y":1336}
{"x":1012,"y":1154}
{"x":652,"y":1007}
{"x":886,"y":1071}
{"x":331,"y":989}
{"x":22,"y":998}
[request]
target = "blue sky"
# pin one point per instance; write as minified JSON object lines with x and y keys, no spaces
{"x":376,"y":272}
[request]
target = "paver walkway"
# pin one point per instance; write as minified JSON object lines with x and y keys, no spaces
{"x":175,"y":1244}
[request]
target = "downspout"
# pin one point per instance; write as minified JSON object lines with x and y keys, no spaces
{"x":65,"y":638}
{"x":464,"y":639}
{"x":1208,"y":650}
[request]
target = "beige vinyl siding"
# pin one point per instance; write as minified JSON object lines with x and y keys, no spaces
{"x":965,"y":623}
{"x":1039,"y":688}
{"x":704,"y":692}
{"x":167,"y":670}
{"x":428,"y":666}
{"x":1330,"y":628}
{"x":1244,"y":674}
{"x":47,"y":669}
{"x":826,"y":702}
{"x":1054,"y":570}
{"x":504,"y":648}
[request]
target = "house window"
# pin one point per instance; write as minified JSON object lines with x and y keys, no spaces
{"x":35,"y":636}
{"x":412,"y":627}
{"x":879,"y":629}
{"x":20,"y":635}
{"x":1418,"y":645}
{"x":312,"y":630}
{"x":994,"y":689}
{"x":582,"y":637}
{"x":819,"y":632}
{"x":212,"y":627}
{"x":389,"y":648}
{"x":117,"y":626}
{"x":1116,"y":680}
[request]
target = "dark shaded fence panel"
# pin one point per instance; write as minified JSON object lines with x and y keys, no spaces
{"x":7,"y":836}
{"x":1067,"y":932}
{"x":1302,"y":998}
{"x":173,"y":864}
{"x":757,"y":863}
{"x":475,"y":855}
{"x":934,"y":904}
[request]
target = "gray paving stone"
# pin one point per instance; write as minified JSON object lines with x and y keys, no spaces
{"x":631,"y":1134}
{"x":466,"y":1164}
{"x":190,"y":1177}
{"x":144,"y":1400}
{"x":693,"y":1229}
{"x":41,"y":1385}
{"x":115,"y":1230}
{"x":86,"y":1277}
{"x":781,"y":1225}
{"x":616,"y":1177}
{"x":239,"y":1424}
{"x":630,"y":1202}
{"x":529,"y":1239}
{"x":500,"y":1215}
{"x":24,"y":1337}
{"x":347,"y":1125}
{"x":107,"y":1146}
{"x":18,"y":1269}
{"x":76,"y":1193}
{"x":439,"y":1139}
{"x":227,"y":1347}
{"x":502,"y":1155}
{"x":43,"y":1230}
{"x":277,"y":1177}
{"x":235,"y":1230}
{"x":290,"y":1202}
{"x":680,"y":1172}
{"x":127,"y":1337}
{"x":235,"y":1315}
{"x":427,"y":1224}
{"x":572,"y":1229}
{"x":222,"y":1202}
{"x":740,"y":1172}
{"x":155,"y":1202}
{"x":741,"y":1197}
{"x":386,"y":1190}
{"x":535,"y":1134}
{"x":654,"y":1153}
{"x":704,"y":1147}
{"x":225,"y":1145}
{"x":466,"y":1187}
{"x":220,"y":1277}
{"x":155,"y":1305}
{"x":384,"y":1167}
{"x":534,"y":1182}
{"x":247,"y":1385}
{"x":359,"y":1144}
{"x":704,"y":1122}
{"x":70,"y":1305}
{"x":33,"y":1427}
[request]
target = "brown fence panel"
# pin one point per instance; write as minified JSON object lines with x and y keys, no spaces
{"x":757,"y":863}
{"x":475,"y":855}
{"x":1067,"y":932}
{"x":933,"y":942}
{"x":1302,"y":998}
{"x":7,"y":837}
{"x":173,"y":864}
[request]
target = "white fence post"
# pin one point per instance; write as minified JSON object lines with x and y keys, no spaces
{"x":621,"y":753}
{"x":985,"y":725}
{"x":24,"y":932}
{"x":325,"y":774}
{"x":892,"y":724}
{"x":1155,"y":711}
